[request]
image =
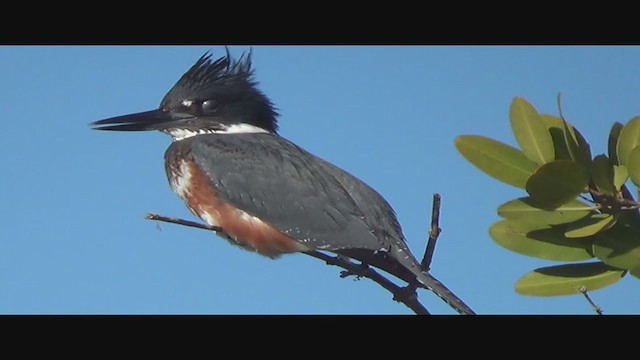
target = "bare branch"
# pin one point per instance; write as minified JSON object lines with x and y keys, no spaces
{"x":434,"y":232}
{"x":595,"y":307}
{"x":405,"y":295}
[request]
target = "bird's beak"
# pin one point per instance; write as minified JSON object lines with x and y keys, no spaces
{"x":143,"y":121}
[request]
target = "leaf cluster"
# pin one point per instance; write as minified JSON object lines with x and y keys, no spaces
{"x":577,"y":207}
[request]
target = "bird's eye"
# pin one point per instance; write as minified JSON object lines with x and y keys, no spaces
{"x":209,"y":106}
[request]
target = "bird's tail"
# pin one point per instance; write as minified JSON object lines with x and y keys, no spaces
{"x":433,"y":284}
{"x":403,"y":256}
{"x":402,"y":264}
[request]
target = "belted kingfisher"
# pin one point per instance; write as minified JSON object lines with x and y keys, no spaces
{"x":233,"y":170}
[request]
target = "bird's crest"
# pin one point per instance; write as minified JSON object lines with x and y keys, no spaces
{"x":221,"y":75}
{"x":223,"y":71}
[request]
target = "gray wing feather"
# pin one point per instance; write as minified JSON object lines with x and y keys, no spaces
{"x":285,"y":186}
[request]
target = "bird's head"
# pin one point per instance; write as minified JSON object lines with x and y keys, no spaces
{"x":212,"y":96}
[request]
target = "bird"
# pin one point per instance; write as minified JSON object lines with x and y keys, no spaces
{"x":270,"y":196}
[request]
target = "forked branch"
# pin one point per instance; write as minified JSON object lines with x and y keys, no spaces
{"x":406,"y":295}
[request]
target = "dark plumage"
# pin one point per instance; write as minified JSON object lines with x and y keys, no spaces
{"x":230,"y":83}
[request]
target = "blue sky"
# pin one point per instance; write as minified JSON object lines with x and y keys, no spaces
{"x":74,"y":240}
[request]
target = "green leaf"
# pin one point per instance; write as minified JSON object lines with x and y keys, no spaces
{"x":557,"y":182}
{"x":526,"y":210}
{"x":541,"y":241}
{"x":571,"y":140}
{"x":590,"y":225}
{"x":567,"y":279}
{"x":555,"y":126}
{"x":498,"y":160}
{"x":620,"y":176}
{"x":635,"y":272}
{"x":619,"y":247}
{"x":602,"y":174}
{"x":633,"y":165}
{"x":629,"y":138}
{"x":576,"y":144}
{"x":530,"y":132}
{"x":614,"y":134}
{"x":568,"y":142}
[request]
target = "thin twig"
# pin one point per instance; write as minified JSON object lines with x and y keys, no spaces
{"x":626,"y":194}
{"x":622,"y":200}
{"x":405,"y":295}
{"x":434,"y":232}
{"x":595,"y":307}
{"x":177,"y":221}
